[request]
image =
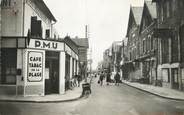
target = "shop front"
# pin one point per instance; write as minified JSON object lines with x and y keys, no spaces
{"x":36,"y":68}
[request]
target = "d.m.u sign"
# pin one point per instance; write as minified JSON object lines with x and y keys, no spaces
{"x":45,"y":44}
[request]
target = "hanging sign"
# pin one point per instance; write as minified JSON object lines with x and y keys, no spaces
{"x":35,"y":66}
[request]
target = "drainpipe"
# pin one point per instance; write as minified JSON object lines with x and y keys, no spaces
{"x":23,"y":17}
{"x":52,"y":24}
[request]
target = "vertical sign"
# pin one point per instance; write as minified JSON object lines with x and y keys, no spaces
{"x":35,"y":66}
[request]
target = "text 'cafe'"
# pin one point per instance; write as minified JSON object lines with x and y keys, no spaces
{"x":37,"y":68}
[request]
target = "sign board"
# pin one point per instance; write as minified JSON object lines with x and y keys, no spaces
{"x":35,"y":66}
{"x":46,"y":45}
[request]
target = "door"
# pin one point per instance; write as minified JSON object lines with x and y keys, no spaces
{"x":175,"y":78}
{"x":52,"y":66}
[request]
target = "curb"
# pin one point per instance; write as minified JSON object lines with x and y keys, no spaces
{"x":51,"y":101}
{"x":175,"y":99}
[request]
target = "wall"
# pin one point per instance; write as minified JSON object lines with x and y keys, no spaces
{"x":32,"y":10}
{"x":34,"y":87}
{"x":12,"y":19}
{"x":0,"y":40}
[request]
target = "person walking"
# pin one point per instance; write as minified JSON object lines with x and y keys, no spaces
{"x":117,"y":78}
{"x":101,"y":78}
{"x":79,"y":79}
{"x":108,"y":78}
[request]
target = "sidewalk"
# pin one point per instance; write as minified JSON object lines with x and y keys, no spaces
{"x":69,"y":95}
{"x":159,"y":91}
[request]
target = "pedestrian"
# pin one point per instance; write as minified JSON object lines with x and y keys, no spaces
{"x":75,"y":79}
{"x":117,"y":78}
{"x":108,"y":78}
{"x":101,"y":78}
{"x":79,"y":79}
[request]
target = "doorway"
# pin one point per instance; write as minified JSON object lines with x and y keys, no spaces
{"x":52,"y":71}
{"x":175,"y":78}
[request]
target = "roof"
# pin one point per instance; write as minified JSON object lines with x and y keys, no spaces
{"x":83,"y":42}
{"x":137,"y":12}
{"x":152,"y":8}
{"x":134,"y":16}
{"x":43,"y":7}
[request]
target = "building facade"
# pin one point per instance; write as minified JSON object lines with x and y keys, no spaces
{"x":147,"y":44}
{"x":34,"y":61}
{"x":83,"y":45}
{"x":133,"y":67}
{"x":171,"y":46}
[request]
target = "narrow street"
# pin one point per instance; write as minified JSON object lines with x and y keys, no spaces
{"x":105,"y":100}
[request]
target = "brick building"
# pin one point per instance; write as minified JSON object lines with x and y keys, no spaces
{"x":170,"y":29}
{"x":132,"y":43}
{"x":147,"y":44}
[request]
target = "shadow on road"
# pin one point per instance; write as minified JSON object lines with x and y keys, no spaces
{"x":9,"y":109}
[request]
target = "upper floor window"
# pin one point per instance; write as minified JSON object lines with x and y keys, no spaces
{"x":144,"y":46}
{"x":169,"y":8}
{"x":36,"y":27}
{"x":6,"y":3}
{"x":47,"y":33}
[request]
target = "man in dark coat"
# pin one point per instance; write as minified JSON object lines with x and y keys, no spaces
{"x":108,"y":78}
{"x":117,"y":78}
{"x":101,"y":78}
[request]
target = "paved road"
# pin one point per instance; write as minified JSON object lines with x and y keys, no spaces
{"x":105,"y":100}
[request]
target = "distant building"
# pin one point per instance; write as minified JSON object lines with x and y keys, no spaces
{"x":83,"y":45}
{"x":107,"y":60}
{"x":124,"y":59}
{"x":116,"y":55}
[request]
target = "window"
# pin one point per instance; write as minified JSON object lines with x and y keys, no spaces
{"x":151,"y":44}
{"x":181,"y":33}
{"x":144,"y":46}
{"x":6,"y":3}
{"x":174,"y":49}
{"x":168,"y":9}
{"x":36,"y":27}
{"x":47,"y":33}
{"x":9,"y":64}
{"x":165,"y":50}
{"x":67,"y":67}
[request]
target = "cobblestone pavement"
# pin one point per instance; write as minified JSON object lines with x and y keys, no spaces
{"x":104,"y":100}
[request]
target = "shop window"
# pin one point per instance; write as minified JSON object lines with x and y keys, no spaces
{"x":9,"y":59}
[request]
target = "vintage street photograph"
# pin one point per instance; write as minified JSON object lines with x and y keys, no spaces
{"x":91,"y":57}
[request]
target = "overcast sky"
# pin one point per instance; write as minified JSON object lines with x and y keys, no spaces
{"x":107,"y":20}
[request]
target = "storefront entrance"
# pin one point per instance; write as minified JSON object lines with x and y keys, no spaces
{"x":175,"y":78}
{"x":52,"y":72}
